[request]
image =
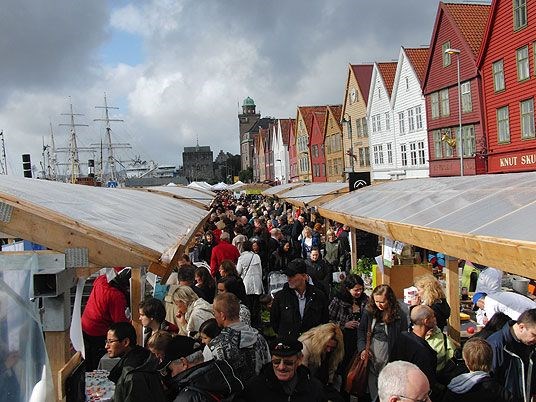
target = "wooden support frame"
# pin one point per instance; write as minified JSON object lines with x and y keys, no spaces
{"x":453,"y":298}
{"x":57,"y":344}
{"x":65,"y":372}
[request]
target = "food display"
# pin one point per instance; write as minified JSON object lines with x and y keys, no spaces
{"x":98,"y":386}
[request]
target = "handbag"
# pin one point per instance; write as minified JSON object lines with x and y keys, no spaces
{"x":357,"y":377}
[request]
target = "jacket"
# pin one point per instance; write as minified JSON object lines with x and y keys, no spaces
{"x":320,"y":272}
{"x":285,"y":314}
{"x":209,"y":381}
{"x":106,"y":305}
{"x":223,"y":251}
{"x":412,"y":348}
{"x":249,"y":268}
{"x":476,"y":387}
{"x":267,"y":388}
{"x":399,"y":324}
{"x":136,"y":379}
{"x":198,"y":312}
{"x":244,"y":349}
{"x":511,"y":361}
{"x":442,"y":312}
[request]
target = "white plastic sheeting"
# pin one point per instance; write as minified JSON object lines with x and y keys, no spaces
{"x":502,"y":206}
{"x":201,"y":196}
{"x":220,"y":186}
{"x":282,"y":187}
{"x":148,"y":219}
{"x":202,"y":185}
{"x":308,"y":193}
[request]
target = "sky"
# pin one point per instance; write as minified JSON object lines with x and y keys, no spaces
{"x":179,"y":70}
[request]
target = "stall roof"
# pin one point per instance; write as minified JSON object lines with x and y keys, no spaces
{"x":274,"y":191}
{"x":116,"y":226}
{"x":312,"y":194}
{"x":485,"y":219}
{"x":202,"y":198}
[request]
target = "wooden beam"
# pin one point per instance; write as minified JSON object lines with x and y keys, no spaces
{"x":57,"y":344}
{"x":136,"y":296}
{"x":65,"y":372}
{"x":490,"y":251}
{"x":453,"y":298}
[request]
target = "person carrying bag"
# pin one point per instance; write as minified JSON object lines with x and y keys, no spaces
{"x":356,"y":379}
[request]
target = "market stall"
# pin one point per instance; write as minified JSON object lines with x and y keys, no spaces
{"x":88,"y":228}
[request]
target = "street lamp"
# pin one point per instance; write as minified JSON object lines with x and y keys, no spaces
{"x":457,"y":52}
{"x":350,"y":152}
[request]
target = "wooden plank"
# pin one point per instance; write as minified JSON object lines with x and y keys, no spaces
{"x":65,"y":372}
{"x":453,"y":298}
{"x":353,"y":245}
{"x":57,"y":344}
{"x":490,"y":251}
{"x":136,"y":297}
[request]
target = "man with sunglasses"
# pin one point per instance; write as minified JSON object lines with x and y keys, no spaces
{"x":284,"y":378}
{"x":135,"y":376}
{"x":403,"y":381}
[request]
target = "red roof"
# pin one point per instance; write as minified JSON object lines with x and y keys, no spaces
{"x":307,"y":115}
{"x":388,"y":71}
{"x":336,"y":111}
{"x":363,"y":74}
{"x":285,"y":129}
{"x":418,"y":57}
{"x":321,"y":119}
{"x":471,"y":20}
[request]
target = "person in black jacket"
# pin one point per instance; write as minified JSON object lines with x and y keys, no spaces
{"x":477,"y":385}
{"x":299,"y":306}
{"x":284,"y":378}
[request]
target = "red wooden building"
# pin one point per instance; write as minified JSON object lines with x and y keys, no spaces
{"x":316,"y":146}
{"x":460,"y":27}
{"x":508,"y":66}
{"x":292,"y":153}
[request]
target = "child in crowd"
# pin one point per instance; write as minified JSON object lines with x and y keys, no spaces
{"x":266,"y":305}
{"x":208,"y":331}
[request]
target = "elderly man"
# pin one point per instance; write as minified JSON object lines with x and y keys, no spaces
{"x":402,"y":380}
{"x":241,"y":345}
{"x":284,"y":378}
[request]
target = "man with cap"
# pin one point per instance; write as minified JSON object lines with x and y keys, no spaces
{"x":510,"y":303}
{"x":188,"y":378}
{"x":284,"y":378}
{"x":299,"y":306}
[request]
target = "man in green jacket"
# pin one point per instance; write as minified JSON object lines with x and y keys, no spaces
{"x":135,"y":376}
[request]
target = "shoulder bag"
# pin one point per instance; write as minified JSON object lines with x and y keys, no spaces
{"x":356,"y":379}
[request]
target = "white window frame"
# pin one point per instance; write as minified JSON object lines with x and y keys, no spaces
{"x":401,"y":123}
{"x":438,"y":144}
{"x":520,"y":14}
{"x":444,"y":102}
{"x":447,"y":60}
{"x":404,"y":154}
{"x":434,"y":103}
{"x":526,"y":108}
{"x":411,"y":120}
{"x":413,"y":153}
{"x":418,"y":117}
{"x":422,"y":154}
{"x":498,"y":75}
{"x":467,"y":103}
{"x":503,"y":125}
{"x":522,"y":62}
{"x":389,"y":147}
{"x":387,"y":121}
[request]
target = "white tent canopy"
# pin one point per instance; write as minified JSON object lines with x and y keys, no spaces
{"x":220,"y":186}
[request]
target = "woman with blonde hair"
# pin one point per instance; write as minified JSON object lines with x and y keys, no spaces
{"x":323,"y":350}
{"x":430,"y":293}
{"x":192,"y":311}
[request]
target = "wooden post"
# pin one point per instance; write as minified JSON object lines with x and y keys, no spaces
{"x":57,"y":344}
{"x":453,"y":298}
{"x":353,"y":248}
{"x":136,"y":296}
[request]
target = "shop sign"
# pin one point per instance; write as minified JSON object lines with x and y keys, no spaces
{"x":512,"y":162}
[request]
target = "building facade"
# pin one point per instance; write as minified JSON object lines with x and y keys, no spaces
{"x":246,"y":122}
{"x":333,"y":145}
{"x":198,"y":163}
{"x":318,"y":156}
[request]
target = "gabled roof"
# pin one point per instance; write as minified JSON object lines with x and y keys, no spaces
{"x":363,"y":74}
{"x":336,"y":111}
{"x":487,"y":33}
{"x":471,"y":20}
{"x":321,"y":119}
{"x":307,"y":115}
{"x":285,"y":129}
{"x":418,"y":57}
{"x":388,"y":72}
{"x":261,"y":123}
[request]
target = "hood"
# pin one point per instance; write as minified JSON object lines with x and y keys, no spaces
{"x":248,"y":335}
{"x":215,"y":376}
{"x":199,"y":305}
{"x":465,"y":382}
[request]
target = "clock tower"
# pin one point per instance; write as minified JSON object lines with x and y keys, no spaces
{"x":246,"y":121}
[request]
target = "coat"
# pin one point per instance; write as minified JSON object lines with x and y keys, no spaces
{"x":485,"y":390}
{"x":508,"y":362}
{"x":136,"y":379}
{"x":249,"y":268}
{"x":266,"y":387}
{"x":223,"y":251}
{"x":285,"y":314}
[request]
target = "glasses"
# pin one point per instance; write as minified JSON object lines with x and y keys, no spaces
{"x":164,"y":370}
{"x":286,"y":362}
{"x":425,"y":399}
{"x":110,"y":341}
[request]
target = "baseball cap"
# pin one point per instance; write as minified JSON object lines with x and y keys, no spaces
{"x":296,"y":266}
{"x":477,"y":297}
{"x":180,"y":346}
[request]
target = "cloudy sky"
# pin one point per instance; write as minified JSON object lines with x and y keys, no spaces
{"x":178,"y":69}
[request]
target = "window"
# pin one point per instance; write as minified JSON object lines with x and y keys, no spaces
{"x":434,"y":100}
{"x":446,"y":56}
{"x":403,"y":151}
{"x":365,"y":127}
{"x":387,"y":121}
{"x":374,"y":128}
{"x":379,"y":93}
{"x":376,"y":151}
{"x":503,"y":125}
{"x":413,"y":153}
{"x":407,"y":84}
{"x":376,"y":123}
{"x":389,"y":152}
{"x":422,"y":155}
{"x":411,"y":120}
{"x":527,"y":119}
{"x":364,"y":157}
{"x":520,"y":14}
{"x":469,"y":143}
{"x":358,"y":130}
{"x":444,"y":102}
{"x":438,"y":144}
{"x":401,"y":124}
{"x":380,"y":153}
{"x":418,"y":117}
{"x":498,"y":76}
{"x":467,"y":105}
{"x":522,"y":57}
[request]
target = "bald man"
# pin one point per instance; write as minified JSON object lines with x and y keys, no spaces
{"x":403,"y":380}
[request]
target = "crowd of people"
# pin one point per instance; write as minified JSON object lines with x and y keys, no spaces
{"x":220,"y":334}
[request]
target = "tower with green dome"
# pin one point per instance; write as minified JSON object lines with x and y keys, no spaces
{"x":246,"y":121}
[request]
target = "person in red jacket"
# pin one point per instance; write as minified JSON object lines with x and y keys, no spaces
{"x":106,"y":305}
{"x":223,"y":251}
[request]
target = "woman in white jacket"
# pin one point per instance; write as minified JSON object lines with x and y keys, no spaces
{"x":192,"y":311}
{"x":249,"y":268}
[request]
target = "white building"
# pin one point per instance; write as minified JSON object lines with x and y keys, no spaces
{"x":280,"y":139}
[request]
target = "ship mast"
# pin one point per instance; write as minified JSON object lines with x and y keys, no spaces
{"x":109,"y":144}
{"x":3,"y":159}
{"x":74,"y":161}
{"x":53,"y":157}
